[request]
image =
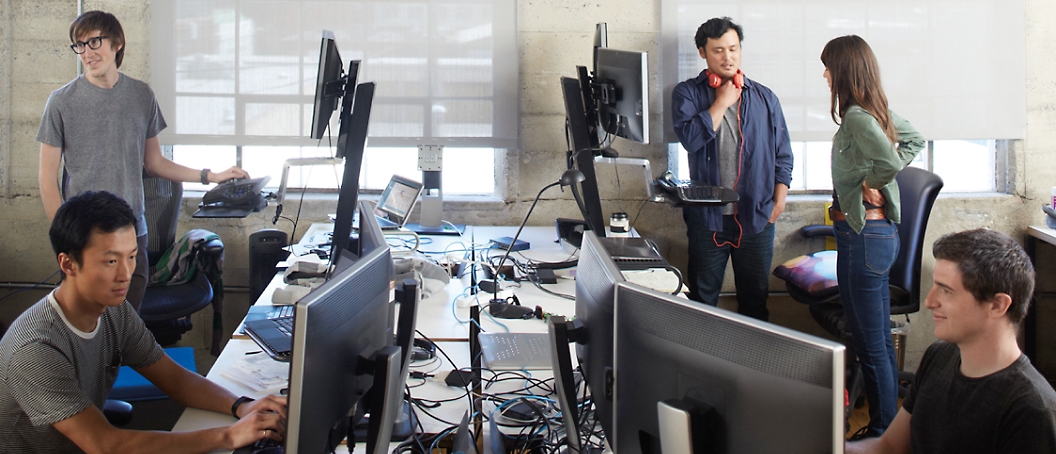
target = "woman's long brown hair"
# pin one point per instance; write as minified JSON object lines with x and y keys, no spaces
{"x":855,"y":76}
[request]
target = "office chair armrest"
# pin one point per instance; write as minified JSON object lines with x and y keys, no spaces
{"x":811,"y":231}
{"x":117,"y":412}
{"x":212,"y":248}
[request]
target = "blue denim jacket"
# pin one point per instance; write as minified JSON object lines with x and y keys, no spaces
{"x":767,"y":158}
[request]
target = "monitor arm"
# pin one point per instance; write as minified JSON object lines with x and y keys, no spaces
{"x":563,"y":333}
{"x":384,"y":398}
{"x":689,"y":425}
{"x":644,"y":163}
{"x":297,"y":162}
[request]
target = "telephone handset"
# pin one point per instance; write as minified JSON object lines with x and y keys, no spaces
{"x":667,"y":181}
{"x":714,"y":81}
{"x":237,"y":192}
{"x":1050,"y":220}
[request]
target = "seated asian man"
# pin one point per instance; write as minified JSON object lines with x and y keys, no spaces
{"x":59,"y":359}
{"x":975,"y":392}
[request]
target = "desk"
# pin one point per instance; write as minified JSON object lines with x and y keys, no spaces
{"x":437,"y":320}
{"x":433,"y":388}
{"x":1035,"y":233}
{"x":447,"y":310}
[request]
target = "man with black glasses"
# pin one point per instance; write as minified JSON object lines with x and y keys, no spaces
{"x":100,"y":132}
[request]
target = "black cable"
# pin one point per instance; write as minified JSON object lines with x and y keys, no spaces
{"x":639,"y":213}
{"x":619,"y":187}
{"x":449,"y":361}
{"x":559,"y":295}
{"x":32,"y":287}
{"x":677,"y":273}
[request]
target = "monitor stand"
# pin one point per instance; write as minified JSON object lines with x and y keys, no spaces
{"x":404,"y":427}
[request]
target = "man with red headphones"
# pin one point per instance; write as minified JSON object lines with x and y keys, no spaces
{"x":735,"y":133}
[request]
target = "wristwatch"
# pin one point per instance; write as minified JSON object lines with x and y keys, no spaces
{"x":205,"y":176}
{"x":239,"y":402}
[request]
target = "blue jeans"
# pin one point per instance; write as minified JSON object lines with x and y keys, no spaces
{"x":863,"y":269}
{"x":708,"y":253}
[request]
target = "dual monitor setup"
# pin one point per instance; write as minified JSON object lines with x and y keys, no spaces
{"x":613,"y":101}
{"x":349,"y":351}
{"x":664,"y":371}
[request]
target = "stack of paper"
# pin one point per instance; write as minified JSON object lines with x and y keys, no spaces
{"x":659,"y":279}
{"x":259,"y":373}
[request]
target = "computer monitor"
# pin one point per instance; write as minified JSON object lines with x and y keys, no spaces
{"x":596,"y":277}
{"x":351,"y":144}
{"x":329,"y":84}
{"x":342,"y":348}
{"x":621,"y":93}
{"x":371,"y":236}
{"x":695,"y":378}
{"x":581,"y":156}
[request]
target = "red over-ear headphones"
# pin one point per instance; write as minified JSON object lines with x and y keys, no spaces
{"x":714,"y":81}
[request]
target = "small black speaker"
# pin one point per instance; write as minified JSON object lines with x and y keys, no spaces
{"x":265,"y":251}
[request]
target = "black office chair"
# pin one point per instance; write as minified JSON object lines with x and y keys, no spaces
{"x":167,"y":309}
{"x":919,"y":189}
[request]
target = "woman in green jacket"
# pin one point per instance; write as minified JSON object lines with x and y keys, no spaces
{"x":870,"y":148}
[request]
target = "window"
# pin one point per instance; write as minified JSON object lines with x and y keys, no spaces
{"x":236,"y":78}
{"x":941,"y":61}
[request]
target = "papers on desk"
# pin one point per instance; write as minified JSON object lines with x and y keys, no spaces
{"x":259,"y":373}
{"x":659,"y":279}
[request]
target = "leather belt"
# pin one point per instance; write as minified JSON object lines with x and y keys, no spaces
{"x":871,"y":214}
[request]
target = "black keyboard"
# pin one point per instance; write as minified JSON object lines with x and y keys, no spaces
{"x":694,"y":192}
{"x":285,"y":325}
{"x":262,"y":446}
{"x":283,"y":311}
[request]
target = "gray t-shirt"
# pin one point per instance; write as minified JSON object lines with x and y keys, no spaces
{"x":50,"y":371}
{"x":102,"y":133}
{"x":729,"y":145}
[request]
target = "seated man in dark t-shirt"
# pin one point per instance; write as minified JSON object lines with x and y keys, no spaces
{"x":60,"y":358}
{"x":975,"y":392}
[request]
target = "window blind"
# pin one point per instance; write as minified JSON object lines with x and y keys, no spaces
{"x":242,"y":72}
{"x":955,"y":69}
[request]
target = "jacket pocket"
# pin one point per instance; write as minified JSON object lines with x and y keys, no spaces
{"x":844,"y":156}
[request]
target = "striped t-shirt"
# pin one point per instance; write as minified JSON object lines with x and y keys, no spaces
{"x":50,"y":371}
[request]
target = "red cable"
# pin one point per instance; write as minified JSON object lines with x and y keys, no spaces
{"x":736,"y":183}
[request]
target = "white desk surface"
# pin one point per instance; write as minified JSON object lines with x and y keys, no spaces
{"x":436,"y":319}
{"x":442,"y":318}
{"x":432,"y":388}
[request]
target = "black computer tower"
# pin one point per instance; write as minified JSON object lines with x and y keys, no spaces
{"x":266,"y":249}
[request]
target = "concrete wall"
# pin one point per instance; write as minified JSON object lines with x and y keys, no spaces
{"x":554,"y":37}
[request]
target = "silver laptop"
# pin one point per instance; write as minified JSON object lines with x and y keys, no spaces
{"x":396,"y":202}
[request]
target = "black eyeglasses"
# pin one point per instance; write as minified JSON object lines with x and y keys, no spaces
{"x":92,"y":43}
